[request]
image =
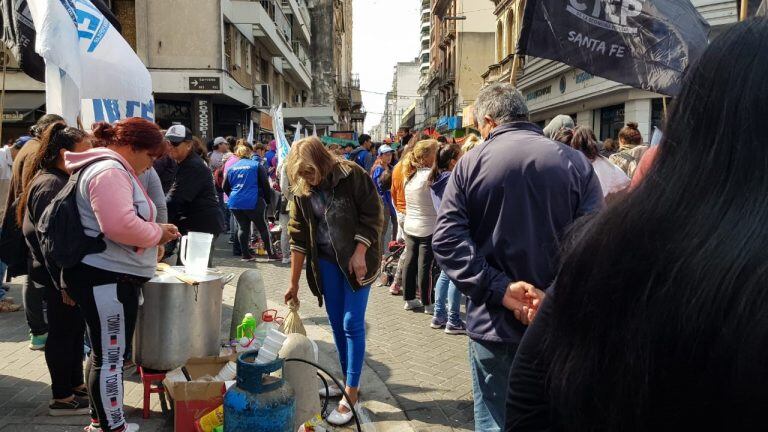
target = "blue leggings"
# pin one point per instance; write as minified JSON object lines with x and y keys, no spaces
{"x":346,"y":312}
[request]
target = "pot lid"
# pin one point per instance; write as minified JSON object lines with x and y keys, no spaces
{"x":169,"y":277}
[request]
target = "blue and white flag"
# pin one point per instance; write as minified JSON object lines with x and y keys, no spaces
{"x":282,"y":141}
{"x":90,"y":68}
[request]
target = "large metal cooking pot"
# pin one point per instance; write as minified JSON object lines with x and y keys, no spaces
{"x":178,"y":321}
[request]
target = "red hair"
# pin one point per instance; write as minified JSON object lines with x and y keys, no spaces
{"x":139,"y":134}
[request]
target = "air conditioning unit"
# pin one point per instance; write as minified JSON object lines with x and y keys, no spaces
{"x":264,"y":96}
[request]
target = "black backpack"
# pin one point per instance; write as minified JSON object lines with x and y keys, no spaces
{"x":62,"y":237}
{"x":13,"y":246}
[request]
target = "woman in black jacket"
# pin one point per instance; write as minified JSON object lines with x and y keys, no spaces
{"x":192,"y":201}
{"x":64,"y":348}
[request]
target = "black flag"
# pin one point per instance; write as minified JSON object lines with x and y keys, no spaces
{"x":646,"y":44}
{"x":19,"y":34}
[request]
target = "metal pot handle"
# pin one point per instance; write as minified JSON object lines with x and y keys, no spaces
{"x":227,"y":279}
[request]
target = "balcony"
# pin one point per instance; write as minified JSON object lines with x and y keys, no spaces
{"x":273,"y":29}
{"x":301,"y":20}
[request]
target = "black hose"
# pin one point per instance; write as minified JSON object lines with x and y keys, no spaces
{"x":335,"y":381}
{"x":326,"y":398}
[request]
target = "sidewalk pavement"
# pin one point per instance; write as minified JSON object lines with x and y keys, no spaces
{"x":414,"y":378}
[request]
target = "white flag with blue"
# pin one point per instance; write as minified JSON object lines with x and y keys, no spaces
{"x":91,"y":66}
{"x":283,"y":148}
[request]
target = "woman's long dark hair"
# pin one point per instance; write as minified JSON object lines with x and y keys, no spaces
{"x":659,"y":319}
{"x":445,"y":154}
{"x":56,"y":137}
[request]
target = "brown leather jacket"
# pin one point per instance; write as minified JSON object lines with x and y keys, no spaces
{"x":354,"y":216}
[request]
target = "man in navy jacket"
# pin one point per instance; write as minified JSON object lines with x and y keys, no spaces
{"x":498,"y":231}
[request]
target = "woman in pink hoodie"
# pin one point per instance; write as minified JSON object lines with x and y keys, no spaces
{"x":105,"y":285}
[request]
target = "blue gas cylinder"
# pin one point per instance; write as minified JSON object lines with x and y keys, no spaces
{"x":259,"y":402}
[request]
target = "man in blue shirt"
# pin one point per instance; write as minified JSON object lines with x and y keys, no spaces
{"x":498,"y":230}
{"x":362,"y":155}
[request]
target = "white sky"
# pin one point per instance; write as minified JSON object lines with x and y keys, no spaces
{"x":384,"y":33}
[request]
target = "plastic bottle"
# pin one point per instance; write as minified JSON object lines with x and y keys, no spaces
{"x":210,"y":421}
{"x":267,"y":323}
{"x":247,"y":328}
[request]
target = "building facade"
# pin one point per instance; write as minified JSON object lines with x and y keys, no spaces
{"x":424,"y":57}
{"x":461,"y":34}
{"x":551,"y":88}
{"x":218,"y":65}
{"x":402,"y":98}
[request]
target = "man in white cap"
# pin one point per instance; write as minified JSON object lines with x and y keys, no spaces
{"x":220,"y":151}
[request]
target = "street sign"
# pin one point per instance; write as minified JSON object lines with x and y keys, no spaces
{"x":204,"y":83}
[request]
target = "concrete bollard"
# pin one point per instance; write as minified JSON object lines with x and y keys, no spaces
{"x":249,"y":297}
{"x":301,"y":376}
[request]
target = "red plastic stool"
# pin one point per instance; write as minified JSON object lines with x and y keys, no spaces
{"x":149,"y":377}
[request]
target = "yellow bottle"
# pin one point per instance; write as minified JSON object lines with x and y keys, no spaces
{"x":210,"y":421}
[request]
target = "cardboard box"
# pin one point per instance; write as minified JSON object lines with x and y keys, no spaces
{"x":193,"y":399}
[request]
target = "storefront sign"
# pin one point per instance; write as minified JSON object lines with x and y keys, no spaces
{"x":14,"y":116}
{"x":203,"y":117}
{"x":448,"y":123}
{"x":205,"y":83}
{"x":535,"y":94}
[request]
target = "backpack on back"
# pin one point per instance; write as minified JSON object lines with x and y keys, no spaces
{"x":62,"y":236}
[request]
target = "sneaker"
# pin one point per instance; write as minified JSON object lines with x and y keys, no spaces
{"x":438,"y":323}
{"x":395,"y":290}
{"x":456,"y":329}
{"x":80,"y":393}
{"x":251,"y":259}
{"x":273,"y":257}
{"x":413,"y":304}
{"x":37,"y":343}
{"x":429,"y":309}
{"x":286,"y":260}
{"x":78,"y":406}
{"x":127,"y":427}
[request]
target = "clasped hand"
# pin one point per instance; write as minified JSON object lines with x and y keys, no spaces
{"x":523,"y":299}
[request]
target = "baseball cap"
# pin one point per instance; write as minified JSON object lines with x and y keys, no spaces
{"x":19,"y":143}
{"x":385,"y":149}
{"x":219,"y":140}
{"x":178,"y":133}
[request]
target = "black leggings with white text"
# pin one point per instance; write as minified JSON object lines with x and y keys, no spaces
{"x":109,"y":303}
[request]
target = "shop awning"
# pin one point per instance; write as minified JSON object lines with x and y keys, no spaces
{"x":17,"y":106}
{"x":318,"y":116}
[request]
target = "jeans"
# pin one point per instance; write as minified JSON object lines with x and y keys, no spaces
{"x":417,"y":273}
{"x":490,"y":363}
{"x":244,"y":219}
{"x":285,"y":239}
{"x":64,"y":347}
{"x":233,"y":230}
{"x":33,"y":296}
{"x":346,"y":313}
{"x":445,"y":291}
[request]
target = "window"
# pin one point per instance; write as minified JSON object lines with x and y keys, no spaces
{"x":248,"y":65}
{"x":611,"y":121}
{"x":511,"y":42}
{"x":499,"y":42}
{"x":238,"y":49}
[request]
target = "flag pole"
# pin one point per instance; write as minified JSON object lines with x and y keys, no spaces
{"x":664,"y":103}
{"x":6,"y":58}
{"x":744,"y":10}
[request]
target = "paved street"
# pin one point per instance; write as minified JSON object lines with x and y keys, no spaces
{"x":415,"y":378}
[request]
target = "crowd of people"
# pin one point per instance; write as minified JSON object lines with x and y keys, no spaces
{"x":607,"y":286}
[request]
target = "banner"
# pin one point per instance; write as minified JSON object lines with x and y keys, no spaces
{"x":250,"y":134}
{"x":19,"y":34}
{"x":641,"y":43}
{"x":282,"y":142}
{"x":89,"y":66}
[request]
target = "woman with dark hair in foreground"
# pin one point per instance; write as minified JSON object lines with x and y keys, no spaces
{"x":657,"y":319}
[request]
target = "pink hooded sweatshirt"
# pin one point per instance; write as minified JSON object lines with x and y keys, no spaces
{"x":112,"y":201}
